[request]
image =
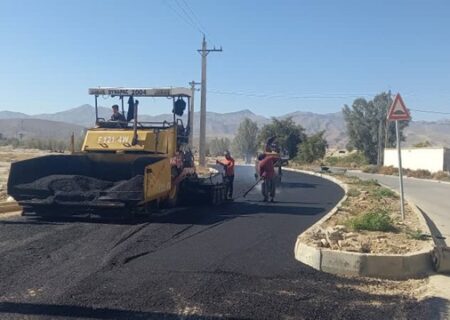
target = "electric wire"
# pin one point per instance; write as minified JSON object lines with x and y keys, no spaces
{"x":284,"y":96}
{"x":194,"y":15}
{"x":189,"y":16}
{"x":194,"y":20}
{"x":181,"y":16}
{"x":312,"y":97}
{"x":430,"y":111}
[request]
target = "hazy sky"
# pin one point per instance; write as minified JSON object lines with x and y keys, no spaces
{"x":279,"y":56}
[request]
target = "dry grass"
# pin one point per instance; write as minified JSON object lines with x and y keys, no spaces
{"x":420,"y":174}
{"x":371,"y":221}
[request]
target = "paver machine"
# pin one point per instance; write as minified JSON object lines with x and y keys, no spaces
{"x":128,"y":166}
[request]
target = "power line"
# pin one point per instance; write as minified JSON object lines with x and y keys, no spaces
{"x":429,"y":111}
{"x":189,"y":16}
{"x":306,"y":96}
{"x":180,"y":15}
{"x":194,"y":15}
{"x":312,"y":97}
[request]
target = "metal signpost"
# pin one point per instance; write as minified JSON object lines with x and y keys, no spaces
{"x":398,"y":112}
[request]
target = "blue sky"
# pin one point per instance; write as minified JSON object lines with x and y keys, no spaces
{"x":279,"y":56}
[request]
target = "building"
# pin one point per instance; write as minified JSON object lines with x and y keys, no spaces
{"x":432,"y":159}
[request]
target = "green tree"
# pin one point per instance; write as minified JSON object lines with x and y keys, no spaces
{"x":367,"y":127}
{"x":218,"y":146}
{"x":288,"y":134}
{"x":313,"y":148}
{"x":245,"y":143}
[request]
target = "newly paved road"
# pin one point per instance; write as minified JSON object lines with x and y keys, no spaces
{"x":235,"y":261}
{"x":433,"y":199}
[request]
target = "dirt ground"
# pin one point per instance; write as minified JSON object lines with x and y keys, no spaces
{"x":337,"y":233}
{"x":8,"y":155}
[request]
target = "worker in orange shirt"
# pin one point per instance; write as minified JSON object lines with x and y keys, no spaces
{"x":228,"y":165}
{"x":266,"y":168}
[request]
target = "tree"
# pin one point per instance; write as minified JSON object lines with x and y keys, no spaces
{"x":313,"y":148}
{"x":368,"y":129}
{"x":218,"y":146}
{"x":288,"y":134}
{"x":245,"y":143}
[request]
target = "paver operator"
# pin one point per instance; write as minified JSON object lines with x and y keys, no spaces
{"x":116,"y":115}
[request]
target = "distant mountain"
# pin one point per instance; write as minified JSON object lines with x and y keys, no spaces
{"x":13,"y":115}
{"x":83,"y":115}
{"x":218,"y":124}
{"x":38,"y":128}
{"x":332,"y":123}
{"x":226,"y":124}
{"x":436,"y":132}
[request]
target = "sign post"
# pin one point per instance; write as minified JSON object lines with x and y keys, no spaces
{"x":398,"y":112}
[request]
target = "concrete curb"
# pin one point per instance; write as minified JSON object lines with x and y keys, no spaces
{"x":389,"y":266}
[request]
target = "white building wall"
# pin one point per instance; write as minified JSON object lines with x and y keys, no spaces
{"x":431,"y":159}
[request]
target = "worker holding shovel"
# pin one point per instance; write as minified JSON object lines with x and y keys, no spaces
{"x":228,"y":165}
{"x":266,"y":170}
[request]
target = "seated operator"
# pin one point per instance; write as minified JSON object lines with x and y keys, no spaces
{"x":117,"y":116}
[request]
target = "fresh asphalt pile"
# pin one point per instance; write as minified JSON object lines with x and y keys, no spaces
{"x":233,"y":261}
{"x":83,"y":188}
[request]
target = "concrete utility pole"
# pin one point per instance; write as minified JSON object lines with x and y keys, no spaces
{"x":380,"y":145}
{"x":204,"y":53}
{"x":192,"y":110}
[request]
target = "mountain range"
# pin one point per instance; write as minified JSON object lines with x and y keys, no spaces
{"x":62,"y":124}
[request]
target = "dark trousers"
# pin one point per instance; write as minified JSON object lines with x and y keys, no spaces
{"x":229,"y":180}
{"x":269,"y":188}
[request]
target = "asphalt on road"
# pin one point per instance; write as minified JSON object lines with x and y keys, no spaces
{"x":233,"y":261}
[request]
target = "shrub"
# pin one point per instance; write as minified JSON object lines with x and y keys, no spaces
{"x":384,"y":193}
{"x":375,"y":220}
{"x":390,"y":170}
{"x":369,"y":183}
{"x":417,"y":235}
{"x":441,"y":175}
{"x":422,"y":174}
{"x":370,"y":169}
{"x":353,"y":192}
{"x":353,"y":160}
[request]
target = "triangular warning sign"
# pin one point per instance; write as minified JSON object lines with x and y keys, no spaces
{"x":398,"y":110}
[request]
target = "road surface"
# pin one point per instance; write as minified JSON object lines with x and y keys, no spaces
{"x":431,"y":197}
{"x":233,"y":261}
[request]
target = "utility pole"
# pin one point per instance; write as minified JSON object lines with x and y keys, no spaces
{"x":191,"y":111}
{"x":380,"y":134}
{"x":204,"y":53}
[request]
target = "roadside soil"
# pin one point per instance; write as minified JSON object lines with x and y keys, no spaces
{"x":9,"y":155}
{"x":339,"y":233}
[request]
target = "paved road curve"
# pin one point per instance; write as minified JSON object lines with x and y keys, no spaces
{"x":235,"y":261}
{"x":431,"y":197}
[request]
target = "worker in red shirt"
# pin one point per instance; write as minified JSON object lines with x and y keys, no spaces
{"x":266,"y":168}
{"x":228,"y":165}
